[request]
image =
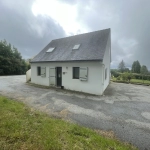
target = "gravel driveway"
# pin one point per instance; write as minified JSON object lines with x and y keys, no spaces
{"x":124,"y":109}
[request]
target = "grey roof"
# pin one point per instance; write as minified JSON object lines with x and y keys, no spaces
{"x":92,"y":47}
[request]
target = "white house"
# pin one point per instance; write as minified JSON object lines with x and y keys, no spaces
{"x":79,"y":63}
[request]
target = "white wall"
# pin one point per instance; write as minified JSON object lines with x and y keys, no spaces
{"x":28,"y":75}
{"x":93,"y":85}
{"x":106,"y":63}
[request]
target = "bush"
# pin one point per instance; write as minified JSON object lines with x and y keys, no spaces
{"x":118,"y":78}
{"x":1,"y":72}
{"x":124,"y":77}
{"x":141,"y":77}
{"x":115,"y":73}
{"x":127,"y":76}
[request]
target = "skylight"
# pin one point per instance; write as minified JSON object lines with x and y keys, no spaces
{"x":50,"y":49}
{"x":76,"y":46}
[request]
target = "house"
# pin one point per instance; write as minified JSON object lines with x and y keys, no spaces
{"x":79,"y":63}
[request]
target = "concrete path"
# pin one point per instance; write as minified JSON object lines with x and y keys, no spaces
{"x":125,"y":108}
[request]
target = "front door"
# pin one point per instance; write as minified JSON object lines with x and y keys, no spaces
{"x":59,"y":76}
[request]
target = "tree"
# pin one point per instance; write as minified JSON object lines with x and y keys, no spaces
{"x":126,"y":70}
{"x":11,"y":62}
{"x":136,"y":67}
{"x":121,"y":66}
{"x":144,"y":70}
{"x":115,"y":73}
{"x":127,"y":76}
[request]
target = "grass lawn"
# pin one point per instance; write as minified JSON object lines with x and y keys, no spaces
{"x":133,"y":81}
{"x":140,"y":81}
{"x":23,"y":128}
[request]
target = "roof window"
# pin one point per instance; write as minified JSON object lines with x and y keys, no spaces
{"x":50,"y":49}
{"x":76,"y":46}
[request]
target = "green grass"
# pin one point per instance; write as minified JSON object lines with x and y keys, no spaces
{"x":23,"y":128}
{"x":136,"y":81}
{"x":140,"y":81}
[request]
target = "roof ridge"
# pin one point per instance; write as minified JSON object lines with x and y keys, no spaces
{"x":81,"y":34}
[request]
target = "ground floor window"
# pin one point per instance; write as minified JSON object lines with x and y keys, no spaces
{"x":38,"y":71}
{"x":75,"y":72}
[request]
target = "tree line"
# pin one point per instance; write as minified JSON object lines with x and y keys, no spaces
{"x":136,"y":72}
{"x":136,"y":68}
{"x":11,"y":62}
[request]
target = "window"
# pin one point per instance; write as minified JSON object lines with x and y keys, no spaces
{"x":38,"y":71}
{"x":76,"y":46}
{"x":50,"y":49}
{"x":105,"y":73}
{"x":75,"y":72}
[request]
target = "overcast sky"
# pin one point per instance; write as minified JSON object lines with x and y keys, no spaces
{"x":30,"y":25}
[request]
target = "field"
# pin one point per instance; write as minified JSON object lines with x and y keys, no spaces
{"x":24,"y":128}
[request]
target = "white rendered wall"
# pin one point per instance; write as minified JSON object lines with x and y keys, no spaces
{"x":93,"y":85}
{"x":106,"y":64}
{"x":28,"y":75}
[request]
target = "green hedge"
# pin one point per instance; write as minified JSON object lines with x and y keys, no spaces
{"x":135,"y":75}
{"x":139,"y":76}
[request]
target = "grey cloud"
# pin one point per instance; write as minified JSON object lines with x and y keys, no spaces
{"x":135,"y":24}
{"x":128,"y":20}
{"x":69,"y":1}
{"x":21,"y":28}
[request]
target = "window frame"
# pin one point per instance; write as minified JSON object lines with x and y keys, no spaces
{"x":73,"y":72}
{"x":38,"y":70}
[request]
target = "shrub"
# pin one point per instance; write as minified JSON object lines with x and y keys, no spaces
{"x":115,"y":73}
{"x":127,"y":76}
{"x":118,"y":78}
{"x":1,"y":72}
{"x":124,"y":77}
{"x":141,"y":77}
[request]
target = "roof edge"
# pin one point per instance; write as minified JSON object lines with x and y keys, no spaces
{"x":67,"y":61}
{"x":81,"y":34}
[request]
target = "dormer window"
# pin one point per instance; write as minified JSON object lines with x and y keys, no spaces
{"x":50,"y":49}
{"x":76,"y":46}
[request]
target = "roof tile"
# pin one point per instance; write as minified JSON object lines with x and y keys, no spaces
{"x":92,"y":47}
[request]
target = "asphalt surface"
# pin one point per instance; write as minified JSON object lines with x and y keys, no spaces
{"x":124,"y":109}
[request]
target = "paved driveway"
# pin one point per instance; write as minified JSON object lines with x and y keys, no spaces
{"x":125,"y":108}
